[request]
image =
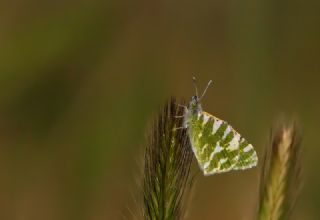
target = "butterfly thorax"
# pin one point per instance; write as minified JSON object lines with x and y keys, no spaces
{"x":194,"y":109}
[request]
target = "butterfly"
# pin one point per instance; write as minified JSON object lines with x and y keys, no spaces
{"x":216,"y":145}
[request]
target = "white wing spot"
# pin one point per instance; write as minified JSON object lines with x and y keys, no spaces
{"x":234,"y":143}
{"x":217,"y":149}
{"x":205,"y":119}
{"x":216,"y":125}
{"x":226,"y":132}
{"x":247,"y":148}
{"x":223,"y":160}
{"x":206,"y":165}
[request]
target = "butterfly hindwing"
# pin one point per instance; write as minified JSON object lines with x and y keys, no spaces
{"x":217,"y":146}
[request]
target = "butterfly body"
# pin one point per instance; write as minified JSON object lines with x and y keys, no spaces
{"x":217,"y":146}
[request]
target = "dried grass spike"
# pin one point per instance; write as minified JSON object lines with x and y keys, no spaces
{"x":281,"y":174}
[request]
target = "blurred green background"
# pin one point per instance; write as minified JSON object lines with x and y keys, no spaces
{"x":80,"y":81}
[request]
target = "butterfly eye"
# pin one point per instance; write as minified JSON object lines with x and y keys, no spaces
{"x":194,"y":98}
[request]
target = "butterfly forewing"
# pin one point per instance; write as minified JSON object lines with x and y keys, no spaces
{"x":217,"y":146}
{"x":247,"y":156}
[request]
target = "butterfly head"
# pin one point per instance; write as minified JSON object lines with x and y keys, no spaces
{"x":195,"y":105}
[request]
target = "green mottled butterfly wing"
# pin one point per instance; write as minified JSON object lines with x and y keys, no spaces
{"x":247,"y":156}
{"x":217,"y":146}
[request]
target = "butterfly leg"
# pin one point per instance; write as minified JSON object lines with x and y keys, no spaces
{"x":179,"y":128}
{"x":185,"y":110}
{"x":182,"y":106}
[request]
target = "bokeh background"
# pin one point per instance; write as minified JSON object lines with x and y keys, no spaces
{"x":80,"y":81}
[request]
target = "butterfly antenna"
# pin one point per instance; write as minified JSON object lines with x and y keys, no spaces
{"x":195,"y":85}
{"x":204,"y":92}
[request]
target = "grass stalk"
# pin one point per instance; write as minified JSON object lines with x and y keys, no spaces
{"x":168,"y":158}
